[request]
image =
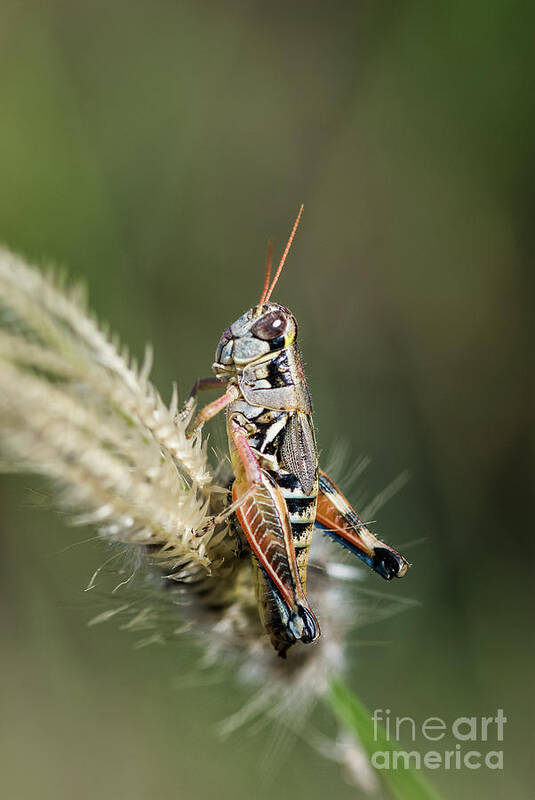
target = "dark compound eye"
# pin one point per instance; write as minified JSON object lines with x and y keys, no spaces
{"x":270,"y":326}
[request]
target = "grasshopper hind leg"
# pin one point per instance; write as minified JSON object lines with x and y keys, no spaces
{"x":284,"y":627}
{"x":341,"y":522}
{"x":388,"y":564}
{"x":272,"y":613}
{"x":265,"y":522}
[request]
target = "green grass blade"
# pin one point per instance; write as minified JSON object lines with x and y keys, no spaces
{"x":405,"y":784}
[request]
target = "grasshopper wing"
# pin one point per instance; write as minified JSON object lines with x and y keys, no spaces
{"x":298,"y":452}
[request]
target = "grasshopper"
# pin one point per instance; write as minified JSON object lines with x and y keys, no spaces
{"x":279,"y":494}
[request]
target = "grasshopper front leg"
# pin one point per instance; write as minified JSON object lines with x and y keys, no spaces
{"x":264,"y":519}
{"x":339,"y":521}
{"x":202,"y":384}
{"x":212,"y":409}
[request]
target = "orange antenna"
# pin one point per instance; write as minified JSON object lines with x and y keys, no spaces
{"x":268,"y":273}
{"x":265,"y":299}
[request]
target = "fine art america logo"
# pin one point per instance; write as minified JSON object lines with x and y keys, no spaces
{"x":476,"y":742}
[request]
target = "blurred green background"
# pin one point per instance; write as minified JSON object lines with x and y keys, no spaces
{"x":152,"y":148}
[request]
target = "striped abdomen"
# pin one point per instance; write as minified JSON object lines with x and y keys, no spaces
{"x":302,"y":512}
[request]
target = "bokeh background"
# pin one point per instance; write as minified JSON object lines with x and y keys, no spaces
{"x":152,"y":148}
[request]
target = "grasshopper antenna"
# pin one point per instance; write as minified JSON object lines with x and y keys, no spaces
{"x":265,"y":299}
{"x":268,"y":274}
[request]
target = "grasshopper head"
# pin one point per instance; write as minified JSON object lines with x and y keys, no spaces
{"x":259,"y":331}
{"x":264,"y":328}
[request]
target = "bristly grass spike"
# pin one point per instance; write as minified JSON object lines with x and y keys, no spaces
{"x":75,"y":408}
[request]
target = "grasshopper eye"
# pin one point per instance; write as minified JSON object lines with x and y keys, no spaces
{"x":270,"y":326}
